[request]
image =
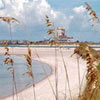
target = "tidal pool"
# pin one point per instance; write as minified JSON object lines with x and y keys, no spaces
{"x":22,"y":81}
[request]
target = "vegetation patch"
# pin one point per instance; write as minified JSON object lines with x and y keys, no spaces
{"x":92,"y":89}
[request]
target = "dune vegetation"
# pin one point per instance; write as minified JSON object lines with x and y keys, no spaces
{"x":92,"y":89}
{"x":90,"y":55}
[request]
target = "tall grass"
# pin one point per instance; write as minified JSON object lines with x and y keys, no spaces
{"x":30,"y":73}
{"x":10,"y":60}
{"x":94,"y":18}
{"x":13,"y":71}
{"x":50,"y":32}
{"x":79,"y":77}
{"x":56,"y":74}
{"x":46,"y":74}
{"x":92,"y":85}
{"x":66,"y":71}
{"x":78,"y":67}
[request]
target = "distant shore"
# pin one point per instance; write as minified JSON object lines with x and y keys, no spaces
{"x":52,"y":46}
{"x":43,"y":42}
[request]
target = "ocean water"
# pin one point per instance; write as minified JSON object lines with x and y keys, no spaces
{"x":22,"y":81}
{"x":46,"y":46}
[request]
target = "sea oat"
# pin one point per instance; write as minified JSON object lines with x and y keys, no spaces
{"x":29,"y":68}
{"x":88,"y":7}
{"x":93,"y":13}
{"x":92,"y":71}
{"x":10,"y":60}
{"x":51,"y":31}
{"x":48,"y":22}
{"x":53,"y":42}
{"x":9,"y":20}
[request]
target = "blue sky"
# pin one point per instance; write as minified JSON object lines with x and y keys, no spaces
{"x":69,"y":14}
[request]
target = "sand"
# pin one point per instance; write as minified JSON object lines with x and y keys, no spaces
{"x":43,"y":88}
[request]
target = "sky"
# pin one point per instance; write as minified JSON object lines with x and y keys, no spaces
{"x":69,"y":14}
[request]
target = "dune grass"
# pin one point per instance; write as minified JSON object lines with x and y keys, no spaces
{"x":91,"y":95}
{"x":92,"y":89}
{"x":95,"y":94}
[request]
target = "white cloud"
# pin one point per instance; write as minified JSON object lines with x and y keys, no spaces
{"x":44,"y":4}
{"x":1,"y":4}
{"x":79,"y":9}
{"x":32,"y":12}
{"x":71,"y":17}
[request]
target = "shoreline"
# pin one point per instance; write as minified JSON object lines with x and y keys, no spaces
{"x":47,"y":56}
{"x":31,"y":84}
{"x":46,"y":45}
{"x":6,"y":97}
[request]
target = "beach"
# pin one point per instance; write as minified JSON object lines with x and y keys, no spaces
{"x":43,"y":88}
